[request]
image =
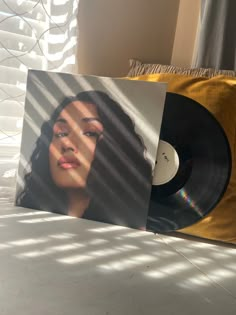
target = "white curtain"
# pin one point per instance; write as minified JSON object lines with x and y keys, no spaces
{"x":34,"y":34}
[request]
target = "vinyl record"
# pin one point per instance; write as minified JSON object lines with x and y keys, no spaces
{"x":204,"y":166}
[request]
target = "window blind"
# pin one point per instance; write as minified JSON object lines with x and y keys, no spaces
{"x":34,"y":34}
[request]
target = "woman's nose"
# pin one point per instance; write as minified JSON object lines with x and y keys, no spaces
{"x":69,"y":144}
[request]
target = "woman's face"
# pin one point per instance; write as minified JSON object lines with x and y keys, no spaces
{"x":71,"y":152}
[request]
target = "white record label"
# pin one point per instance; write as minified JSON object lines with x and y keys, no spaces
{"x":167,"y":163}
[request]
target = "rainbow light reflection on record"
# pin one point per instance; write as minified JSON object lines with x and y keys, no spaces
{"x":182,"y":192}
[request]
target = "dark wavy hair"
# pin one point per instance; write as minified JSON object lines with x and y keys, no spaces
{"x":120,"y":176}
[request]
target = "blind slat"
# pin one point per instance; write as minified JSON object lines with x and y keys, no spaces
{"x":12,"y":76}
{"x":31,"y":59}
{"x":33,"y":35}
{"x":22,"y":25}
{"x":28,"y":8}
{"x":21,"y":43}
{"x":11,"y":108}
{"x":11,"y":92}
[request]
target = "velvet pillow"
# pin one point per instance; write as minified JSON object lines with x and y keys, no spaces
{"x":218,"y":95}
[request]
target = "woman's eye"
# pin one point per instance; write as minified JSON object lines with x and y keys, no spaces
{"x":61,"y":134}
{"x":92,"y":134}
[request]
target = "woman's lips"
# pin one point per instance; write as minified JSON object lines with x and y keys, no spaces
{"x":67,"y":162}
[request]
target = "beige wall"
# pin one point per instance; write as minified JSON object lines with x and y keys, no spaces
{"x":186,"y":28}
{"x":113,"y":31}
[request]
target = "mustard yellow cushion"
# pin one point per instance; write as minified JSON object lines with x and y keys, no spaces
{"x":218,"y":95}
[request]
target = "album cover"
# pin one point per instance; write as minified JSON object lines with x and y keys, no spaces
{"x":89,"y":146}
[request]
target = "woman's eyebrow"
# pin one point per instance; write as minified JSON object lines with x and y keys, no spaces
{"x":62,"y":120}
{"x":89,"y":119}
{"x":85,"y":119}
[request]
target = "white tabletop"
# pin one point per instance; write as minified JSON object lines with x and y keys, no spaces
{"x":58,"y":265}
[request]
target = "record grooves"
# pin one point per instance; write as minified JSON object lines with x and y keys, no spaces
{"x":204,"y":169}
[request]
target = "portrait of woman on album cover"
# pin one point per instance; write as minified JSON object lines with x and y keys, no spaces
{"x":89,"y":162}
